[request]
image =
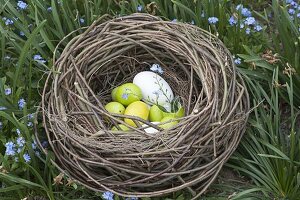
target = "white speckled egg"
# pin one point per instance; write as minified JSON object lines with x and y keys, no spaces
{"x":154,"y":88}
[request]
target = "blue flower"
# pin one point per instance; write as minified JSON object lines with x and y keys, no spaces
{"x":19,"y":149}
{"x":45,"y":144}
{"x":258,"y":28}
{"x":238,"y":7}
{"x":125,"y":96}
{"x":7,"y":57}
{"x":7,"y":21}
{"x":21,"y":103}
{"x":232,"y":20}
{"x":29,"y":124}
{"x":295,"y":4}
{"x":298,"y":15}
{"x":26,"y":157}
{"x":192,"y":22}
{"x":22,"y":33}
{"x":108,"y":195}
{"x":10,"y":148}
{"x":33,"y":145}
{"x":7,"y":91}
{"x":156,"y":68}
{"x":2,"y":108}
{"x":247,"y":31}
{"x":289,"y":1}
{"x":49,"y":9}
{"x":291,"y":11}
{"x":250,"y":20}
{"x":237,"y":61}
{"x":81,"y":20}
{"x":202,"y":14}
{"x":139,"y":8}
{"x":245,"y":12}
{"x":18,"y":131}
{"x":242,"y":26}
{"x":22,"y":5}
{"x":39,"y":58}
{"x":131,"y":198}
{"x":20,"y":141}
{"x":174,"y":20}
{"x":213,"y":20}
{"x":30,"y":116}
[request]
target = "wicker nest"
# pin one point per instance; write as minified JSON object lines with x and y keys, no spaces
{"x":189,"y":156}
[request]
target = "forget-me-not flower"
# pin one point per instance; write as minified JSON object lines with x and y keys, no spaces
{"x":29,"y":124}
{"x":232,"y":20}
{"x":291,"y":11}
{"x":131,"y":198}
{"x":202,"y":14}
{"x":22,"y":33}
{"x":156,"y":68}
{"x":250,"y":20}
{"x":26,"y":157}
{"x":108,"y":195}
{"x":139,"y":8}
{"x":30,"y":116}
{"x":258,"y":28}
{"x":246,"y":12}
{"x":238,"y":7}
{"x":22,"y":5}
{"x":81,"y":20}
{"x":237,"y":61}
{"x":18,"y":131}
{"x":10,"y":148}
{"x":7,"y":91}
{"x":21,"y":103}
{"x":213,"y":20}
{"x":45,"y":144}
{"x":7,"y":21}
{"x":39,"y":58}
{"x":49,"y":9}
{"x":2,"y":108}
{"x":247,"y":31}
{"x":33,"y":145}
{"x":20,"y":141}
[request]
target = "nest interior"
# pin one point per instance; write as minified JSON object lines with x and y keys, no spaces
{"x":199,"y":69}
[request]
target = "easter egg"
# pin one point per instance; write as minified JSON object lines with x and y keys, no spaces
{"x":121,"y":126}
{"x":178,"y":114}
{"x":138,"y":109}
{"x":113,"y":93}
{"x":155,"y":89}
{"x":170,"y":124}
{"x":155,"y":114}
{"x":115,"y":107}
{"x":128,"y":93}
{"x":150,"y":129}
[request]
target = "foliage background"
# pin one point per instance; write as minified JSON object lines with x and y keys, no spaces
{"x":266,"y":164}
